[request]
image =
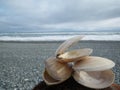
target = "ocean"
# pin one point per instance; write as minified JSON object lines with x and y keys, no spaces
{"x":58,"y":36}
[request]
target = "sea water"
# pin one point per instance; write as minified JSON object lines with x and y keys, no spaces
{"x":58,"y":36}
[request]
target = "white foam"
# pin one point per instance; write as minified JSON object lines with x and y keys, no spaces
{"x":61,"y":38}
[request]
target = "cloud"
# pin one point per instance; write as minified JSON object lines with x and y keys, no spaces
{"x":89,"y":25}
{"x":59,"y":14}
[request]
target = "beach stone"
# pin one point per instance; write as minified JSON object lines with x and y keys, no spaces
{"x":22,"y":64}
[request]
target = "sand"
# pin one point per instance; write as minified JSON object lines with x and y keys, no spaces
{"x":21,"y":64}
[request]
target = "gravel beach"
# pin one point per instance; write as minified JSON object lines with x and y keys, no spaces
{"x":22,"y":64}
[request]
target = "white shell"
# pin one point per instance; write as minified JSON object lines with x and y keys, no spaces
{"x":65,"y":45}
{"x":74,"y":55}
{"x":57,"y":70}
{"x":49,"y":80}
{"x":95,"y":79}
{"x":93,"y":63}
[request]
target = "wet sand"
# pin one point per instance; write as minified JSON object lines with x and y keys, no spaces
{"x":21,"y":64}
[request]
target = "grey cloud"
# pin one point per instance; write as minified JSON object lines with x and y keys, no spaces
{"x":86,"y":11}
{"x":36,"y":14}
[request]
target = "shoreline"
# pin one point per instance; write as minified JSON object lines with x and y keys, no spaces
{"x":60,"y":41}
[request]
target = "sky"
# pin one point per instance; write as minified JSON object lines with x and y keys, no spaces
{"x":59,"y":15}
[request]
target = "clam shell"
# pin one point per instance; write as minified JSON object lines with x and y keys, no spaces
{"x":93,"y":63}
{"x":95,"y":79}
{"x":57,"y":70}
{"x":65,"y":45}
{"x":49,"y":80}
{"x":74,"y":55}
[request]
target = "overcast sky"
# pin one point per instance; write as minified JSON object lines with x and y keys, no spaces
{"x":38,"y":15}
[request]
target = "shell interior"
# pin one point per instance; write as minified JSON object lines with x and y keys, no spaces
{"x":95,"y":79}
{"x":65,"y":45}
{"x":49,"y":80}
{"x":74,"y":55}
{"x":93,"y":63}
{"x":57,"y":70}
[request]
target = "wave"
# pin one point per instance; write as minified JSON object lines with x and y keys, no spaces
{"x":58,"y":33}
{"x":60,"y":38}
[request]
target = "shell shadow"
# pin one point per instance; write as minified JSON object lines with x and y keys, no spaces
{"x":69,"y":84}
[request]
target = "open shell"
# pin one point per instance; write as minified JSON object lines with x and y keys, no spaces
{"x":95,"y":79}
{"x":65,"y":45}
{"x":57,"y":70}
{"x":74,"y":55}
{"x":90,"y":71}
{"x":93,"y":63}
{"x":49,"y":80}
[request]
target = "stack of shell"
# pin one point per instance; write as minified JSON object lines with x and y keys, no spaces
{"x":90,"y":71}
